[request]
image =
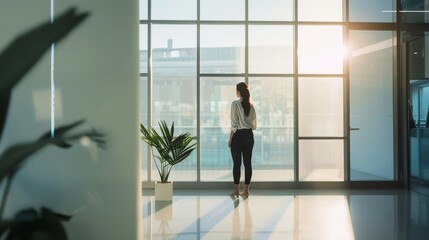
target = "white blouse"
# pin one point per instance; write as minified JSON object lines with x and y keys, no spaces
{"x":239,"y":120}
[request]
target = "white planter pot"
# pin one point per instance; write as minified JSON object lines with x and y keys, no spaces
{"x":164,"y":191}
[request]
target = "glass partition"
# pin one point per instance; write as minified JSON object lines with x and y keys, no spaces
{"x":419,"y":135}
{"x":418,"y":112}
{"x":371,"y":105}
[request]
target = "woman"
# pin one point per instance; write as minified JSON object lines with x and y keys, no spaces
{"x":243,"y":121}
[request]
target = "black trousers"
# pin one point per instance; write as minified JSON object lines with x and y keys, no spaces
{"x":242,"y":145}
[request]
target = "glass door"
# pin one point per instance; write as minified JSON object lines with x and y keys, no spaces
{"x":371,"y":105}
{"x":418,"y":115}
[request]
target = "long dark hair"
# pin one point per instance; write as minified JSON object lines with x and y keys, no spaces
{"x":245,"y":95}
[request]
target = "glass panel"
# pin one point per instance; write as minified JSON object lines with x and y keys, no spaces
{"x":271,"y":10}
{"x":320,"y":108}
{"x":222,"y":49}
{"x":424,"y":105}
{"x":419,"y":131}
{"x":274,"y":137}
{"x":143,"y":95}
{"x":174,"y":10}
{"x":174,"y":86}
{"x":372,"y":11}
{"x":320,"y":49}
{"x":143,"y":47}
{"x":222,"y":9}
{"x":371,"y":105}
{"x":143,"y":119}
{"x":270,"y":49}
{"x":417,"y":60}
{"x":316,"y":10}
{"x":414,"y":11}
{"x":321,"y":160}
{"x":143,"y":9}
{"x":217,"y":95}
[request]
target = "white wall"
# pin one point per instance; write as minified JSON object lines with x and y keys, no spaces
{"x":96,"y":79}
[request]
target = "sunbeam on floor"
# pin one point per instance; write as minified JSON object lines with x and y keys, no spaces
{"x":277,"y":214}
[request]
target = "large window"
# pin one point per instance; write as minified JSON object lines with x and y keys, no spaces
{"x":273,"y":153}
{"x":373,"y":11}
{"x":299,"y":58}
{"x":174,"y":86}
{"x":222,"y":49}
{"x":216,"y":93}
{"x":322,"y":54}
{"x":270,"y":42}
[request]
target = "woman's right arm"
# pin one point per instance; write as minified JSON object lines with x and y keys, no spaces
{"x":230,"y":139}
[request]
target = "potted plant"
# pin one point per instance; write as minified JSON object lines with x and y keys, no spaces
{"x":167,"y":151}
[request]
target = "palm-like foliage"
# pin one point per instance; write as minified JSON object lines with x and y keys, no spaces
{"x":15,"y":61}
{"x":24,"y":52}
{"x":170,"y":150}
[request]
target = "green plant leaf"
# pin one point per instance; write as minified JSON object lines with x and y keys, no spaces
{"x":59,"y":141}
{"x":5,"y":225}
{"x":26,"y":50}
{"x":13,"y":157}
{"x":51,"y":223}
{"x":29,"y":224}
{"x":4,"y":105}
{"x":170,"y":150}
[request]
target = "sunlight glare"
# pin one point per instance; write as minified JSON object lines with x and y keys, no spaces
{"x":323,"y":217}
{"x":320,"y":49}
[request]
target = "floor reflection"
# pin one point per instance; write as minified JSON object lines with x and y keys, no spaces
{"x":277,"y":214}
{"x":322,"y":217}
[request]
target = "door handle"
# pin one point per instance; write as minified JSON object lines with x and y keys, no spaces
{"x":354,"y":129}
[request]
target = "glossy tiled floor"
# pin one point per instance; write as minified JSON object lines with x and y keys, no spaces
{"x":281,"y":214}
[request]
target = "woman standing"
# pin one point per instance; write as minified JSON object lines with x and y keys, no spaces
{"x":243,"y":121}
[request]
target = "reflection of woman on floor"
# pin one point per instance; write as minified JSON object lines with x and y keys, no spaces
{"x":236,"y":222}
